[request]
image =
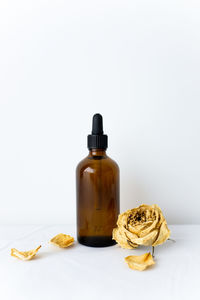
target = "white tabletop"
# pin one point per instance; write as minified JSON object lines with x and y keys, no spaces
{"x":80,"y":272}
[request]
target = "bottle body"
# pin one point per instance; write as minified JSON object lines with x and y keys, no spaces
{"x":97,"y":189}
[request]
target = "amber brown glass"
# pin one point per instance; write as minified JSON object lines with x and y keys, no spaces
{"x":97,"y":188}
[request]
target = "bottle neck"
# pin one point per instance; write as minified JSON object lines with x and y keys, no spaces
{"x":97,"y":152}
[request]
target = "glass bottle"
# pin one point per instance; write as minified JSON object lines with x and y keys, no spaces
{"x":97,"y":190}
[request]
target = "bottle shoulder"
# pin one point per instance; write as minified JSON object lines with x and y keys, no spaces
{"x":94,"y":163}
{"x":113,"y":162}
{"x":82,"y":163}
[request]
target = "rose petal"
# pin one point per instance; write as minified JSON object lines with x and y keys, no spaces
{"x":62,"y":240}
{"x":150,"y":225}
{"x":122,"y":218}
{"x":24,"y":255}
{"x":163,"y":235}
{"x":140,"y":262}
{"x":121,"y":239}
{"x":147,"y":240}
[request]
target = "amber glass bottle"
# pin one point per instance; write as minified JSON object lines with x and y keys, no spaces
{"x":97,"y":189}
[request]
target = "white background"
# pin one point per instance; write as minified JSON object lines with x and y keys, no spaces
{"x":137,"y":63}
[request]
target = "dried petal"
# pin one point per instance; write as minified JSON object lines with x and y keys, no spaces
{"x":140,"y":262}
{"x":62,"y":240}
{"x":164,"y":234}
{"x":147,"y":240}
{"x":24,"y":255}
{"x":122,"y":240}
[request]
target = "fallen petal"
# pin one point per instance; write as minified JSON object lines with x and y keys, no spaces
{"x":140,"y":262}
{"x":62,"y":240}
{"x":24,"y":255}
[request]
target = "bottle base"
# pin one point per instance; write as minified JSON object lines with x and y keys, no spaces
{"x":96,"y":241}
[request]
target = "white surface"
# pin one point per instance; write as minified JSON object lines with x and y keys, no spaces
{"x":135,"y":61}
{"x":81,"y":272}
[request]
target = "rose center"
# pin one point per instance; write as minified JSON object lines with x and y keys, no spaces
{"x":141,"y":216}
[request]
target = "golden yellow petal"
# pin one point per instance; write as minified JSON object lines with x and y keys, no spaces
{"x":142,"y":229}
{"x":122,"y":218}
{"x":131,"y":237}
{"x":135,"y":229}
{"x":164,"y":234}
{"x":151,"y":226}
{"x":62,"y":240}
{"x":140,"y":262}
{"x":147,"y":240}
{"x":121,"y":239}
{"x":24,"y":255}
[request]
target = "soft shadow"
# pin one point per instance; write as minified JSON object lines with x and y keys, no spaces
{"x":166,"y":247}
{"x":53,"y":250}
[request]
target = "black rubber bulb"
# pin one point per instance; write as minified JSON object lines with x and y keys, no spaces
{"x":97,"y":124}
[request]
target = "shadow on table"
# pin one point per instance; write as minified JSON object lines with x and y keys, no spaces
{"x":53,"y":250}
{"x":163,"y":248}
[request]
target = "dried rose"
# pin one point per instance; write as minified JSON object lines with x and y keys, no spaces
{"x":140,"y":262}
{"x":144,"y":225}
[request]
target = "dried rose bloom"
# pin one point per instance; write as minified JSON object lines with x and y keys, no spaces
{"x":144,"y":225}
{"x":62,"y":240}
{"x":140,"y":262}
{"x":24,"y":255}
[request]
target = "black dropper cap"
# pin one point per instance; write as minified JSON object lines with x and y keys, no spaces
{"x":97,"y":140}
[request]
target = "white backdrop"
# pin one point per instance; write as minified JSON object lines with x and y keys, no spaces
{"x":137,"y":63}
